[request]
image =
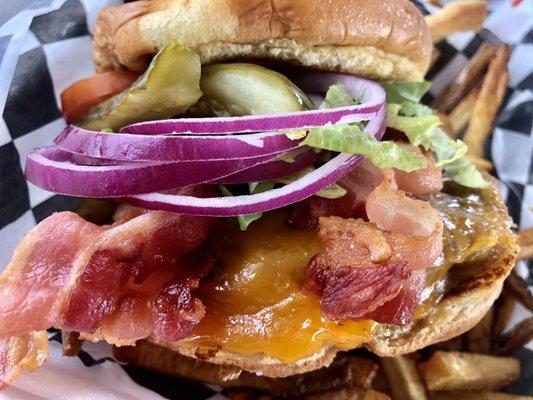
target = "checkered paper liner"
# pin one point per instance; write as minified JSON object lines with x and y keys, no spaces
{"x":47,"y":46}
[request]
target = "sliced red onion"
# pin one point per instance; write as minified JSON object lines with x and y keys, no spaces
{"x":273,"y":170}
{"x":52,"y":169}
{"x":372,"y":99}
{"x":269,"y":200}
{"x":150,"y":148}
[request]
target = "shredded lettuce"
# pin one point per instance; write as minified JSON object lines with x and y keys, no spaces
{"x":332,"y":191}
{"x":243,"y":220}
{"x":337,"y":96}
{"x":425,"y":131}
{"x":465,"y":173}
{"x":399,"y":92}
{"x":410,"y":109}
{"x":260,"y":187}
{"x":351,"y":139}
{"x":422,"y":128}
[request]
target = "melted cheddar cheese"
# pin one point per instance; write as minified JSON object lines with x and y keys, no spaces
{"x":255,"y":303}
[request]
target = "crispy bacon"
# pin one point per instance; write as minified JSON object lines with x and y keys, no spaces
{"x":359,"y":184}
{"x":34,"y":286}
{"x":422,"y":181}
{"x":70,"y":273}
{"x":25,"y":352}
{"x":376,"y":269}
{"x":400,"y":309}
{"x":351,"y":293}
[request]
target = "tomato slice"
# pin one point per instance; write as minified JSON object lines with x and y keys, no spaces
{"x":79,"y":97}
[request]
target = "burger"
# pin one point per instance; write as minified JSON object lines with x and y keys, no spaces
{"x":274,"y":192}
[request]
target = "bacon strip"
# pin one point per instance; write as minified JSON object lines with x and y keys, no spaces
{"x":376,"y":269}
{"x":359,"y":184}
{"x":68,"y":273}
{"x":26,"y":352}
{"x":422,"y":181}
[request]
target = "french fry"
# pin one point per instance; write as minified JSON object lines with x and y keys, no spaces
{"x":71,"y":343}
{"x":518,"y":288}
{"x":404,"y":379}
{"x":490,"y":99}
{"x":503,"y":310}
{"x":349,"y":394}
{"x":469,"y":395}
{"x":479,"y":338}
{"x":469,"y":371}
{"x":345,"y":371}
{"x":460,"y":115}
{"x":380,"y":382}
{"x":520,"y":335}
{"x":246,"y":394}
{"x":466,"y":80}
{"x":525,"y":240}
{"x":457,"y":17}
{"x":480,"y":162}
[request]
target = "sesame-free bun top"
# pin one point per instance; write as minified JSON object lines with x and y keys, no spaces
{"x":374,"y":39}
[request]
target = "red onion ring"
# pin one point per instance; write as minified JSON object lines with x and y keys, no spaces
{"x":132,"y":165}
{"x":296,"y":191}
{"x":52,"y":169}
{"x":152,"y":148}
{"x":371,"y":102}
{"x":272,"y":170}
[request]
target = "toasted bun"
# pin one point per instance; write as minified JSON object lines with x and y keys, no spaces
{"x":474,"y":290}
{"x":374,"y":39}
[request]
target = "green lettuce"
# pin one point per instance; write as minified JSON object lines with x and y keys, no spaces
{"x":332,"y":191}
{"x":243,"y":220}
{"x":337,"y":96}
{"x":465,"y":173}
{"x":422,"y":128}
{"x":410,"y":109}
{"x":399,"y":92}
{"x":351,"y":139}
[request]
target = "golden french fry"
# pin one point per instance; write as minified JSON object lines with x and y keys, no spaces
{"x":345,"y":371}
{"x":503,"y":310}
{"x":466,"y":80}
{"x":349,"y":394}
{"x":480,"y":162}
{"x":71,"y":343}
{"x":520,"y":335}
{"x":525,"y":240}
{"x":404,"y":379}
{"x":479,"y":338}
{"x":490,"y":99}
{"x":518,"y":288}
{"x":470,"y":371}
{"x":469,"y":395}
{"x":460,"y":115}
{"x":457,"y":17}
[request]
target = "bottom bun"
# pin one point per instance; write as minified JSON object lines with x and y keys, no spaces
{"x":474,"y":287}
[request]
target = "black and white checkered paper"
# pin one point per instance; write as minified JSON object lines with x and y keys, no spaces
{"x":47,"y":46}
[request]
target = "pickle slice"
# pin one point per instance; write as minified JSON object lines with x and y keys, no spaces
{"x":247,"y":89}
{"x":170,"y":85}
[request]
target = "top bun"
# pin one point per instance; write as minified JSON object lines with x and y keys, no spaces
{"x":369,"y":38}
